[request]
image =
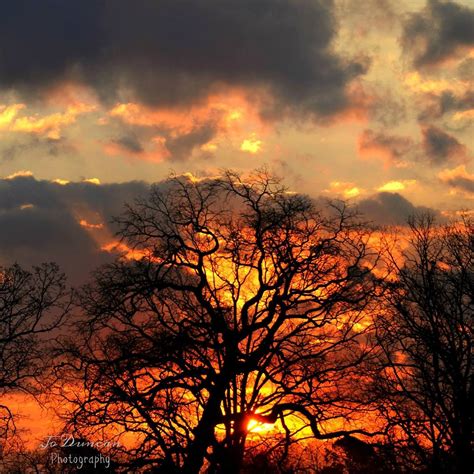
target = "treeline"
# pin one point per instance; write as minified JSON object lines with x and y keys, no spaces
{"x":247,"y":329}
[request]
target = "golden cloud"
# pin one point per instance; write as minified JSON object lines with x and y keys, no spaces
{"x":48,"y":125}
{"x":464,"y":115}
{"x":395,"y":186}
{"x":95,"y":181}
{"x":251,"y":145}
{"x":345,"y":189}
{"x":418,"y":84}
{"x":20,"y":174}
{"x":60,"y":181}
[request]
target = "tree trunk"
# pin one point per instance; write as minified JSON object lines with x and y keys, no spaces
{"x":204,"y":431}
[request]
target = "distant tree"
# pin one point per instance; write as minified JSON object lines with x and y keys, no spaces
{"x":242,"y":302}
{"x":426,"y":379}
{"x":32,"y":304}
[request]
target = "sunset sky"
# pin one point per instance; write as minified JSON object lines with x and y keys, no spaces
{"x":370,"y":101}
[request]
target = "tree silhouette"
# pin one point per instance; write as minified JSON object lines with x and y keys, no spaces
{"x":242,"y":302}
{"x":32,"y":304}
{"x":426,"y":377}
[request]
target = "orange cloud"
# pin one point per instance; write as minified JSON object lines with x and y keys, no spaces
{"x":232,"y":117}
{"x":127,"y":252}
{"x":392,"y":149}
{"x":156,"y":153}
{"x":227,"y":110}
{"x":88,"y":225}
{"x":48,"y":125}
{"x":69,"y":94}
{"x":459,"y":179}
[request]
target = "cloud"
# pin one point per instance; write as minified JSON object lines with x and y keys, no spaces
{"x":465,"y":69}
{"x":70,"y":222}
{"x":20,"y":174}
{"x":67,"y":223}
{"x":437,"y":106}
{"x":459,"y":179}
{"x":251,"y":145}
{"x":155,"y":150}
{"x":436,"y":145}
{"x":15,"y":148}
{"x":130,"y":143}
{"x":49,"y":126}
{"x":368,"y":15}
{"x":95,"y":181}
{"x":344,"y":189}
{"x":393,"y":186}
{"x":387,"y":208}
{"x":176,"y":52}
{"x":36,"y":227}
{"x":438,"y":32}
{"x":394,"y":149}
{"x":421,"y":84}
{"x":440,"y":147}
{"x":182,"y":146}
{"x":438,"y":97}
{"x":176,"y":133}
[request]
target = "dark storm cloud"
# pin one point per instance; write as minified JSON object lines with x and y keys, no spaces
{"x":39,"y":222}
{"x":36,"y":227}
{"x":436,"y":32}
{"x":390,"y":209}
{"x":34,"y":235}
{"x":440,"y":147}
{"x":172,"y":52}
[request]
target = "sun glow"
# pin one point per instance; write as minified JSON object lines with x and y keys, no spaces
{"x":256,"y":426}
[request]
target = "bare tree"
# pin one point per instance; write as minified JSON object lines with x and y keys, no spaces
{"x":32,"y":304}
{"x":426,"y":378}
{"x":243,"y":302}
